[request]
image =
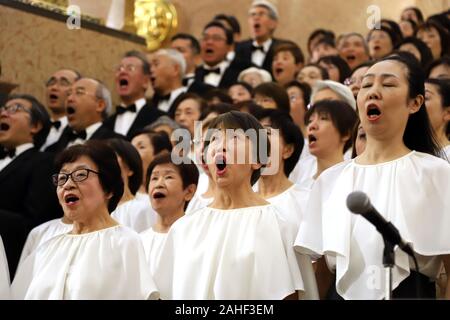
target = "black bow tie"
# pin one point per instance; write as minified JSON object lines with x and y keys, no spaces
{"x":208,"y":71}
{"x":73,"y":135}
{"x":159,"y":98}
{"x":56,"y":124}
{"x":130,"y":108}
{"x":7,"y":153}
{"x":260,"y":48}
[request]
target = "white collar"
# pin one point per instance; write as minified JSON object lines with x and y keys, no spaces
{"x":91,"y":129}
{"x":23,"y":147}
{"x":221,"y":65}
{"x":266,"y":44}
{"x":64,"y":121}
{"x":139,"y":103}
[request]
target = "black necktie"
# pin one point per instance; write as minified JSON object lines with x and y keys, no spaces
{"x":73,"y":135}
{"x":7,"y":153}
{"x":130,"y":108}
{"x":208,"y":71}
{"x":56,"y":124}
{"x":260,"y":48}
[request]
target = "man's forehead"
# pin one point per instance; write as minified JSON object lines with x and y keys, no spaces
{"x":85,"y":84}
{"x":64,"y":73}
{"x":133,"y":60}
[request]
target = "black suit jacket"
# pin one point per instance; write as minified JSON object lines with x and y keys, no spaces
{"x":146,"y":116}
{"x":102,"y":133}
{"x":244,"y":52}
{"x":229,"y":76}
{"x":27,"y":199}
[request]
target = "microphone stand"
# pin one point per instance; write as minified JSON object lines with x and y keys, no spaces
{"x":388,"y":263}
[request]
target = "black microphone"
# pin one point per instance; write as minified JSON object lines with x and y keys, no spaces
{"x":358,"y":202}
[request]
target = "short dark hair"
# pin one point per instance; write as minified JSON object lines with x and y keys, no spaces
{"x":443,"y":87}
{"x":319,"y":33}
{"x":251,"y":107}
{"x":418,"y":133}
{"x":185,"y":96}
{"x":128,"y":153}
{"x":247,"y":86}
{"x":218,"y":93}
{"x":445,"y":61}
{"x":291,"y":47}
{"x":231,"y":20}
{"x":219,"y":108}
{"x":304,"y":88}
{"x":38,"y":114}
{"x":195,"y":45}
{"x":106,"y":161}
{"x":443,"y":35}
{"x":323,"y":71}
{"x":141,"y":56}
{"x":159,"y":140}
{"x":342,"y":115}
{"x":391,"y":24}
{"x":218,"y":24}
{"x":244,"y":121}
{"x":188,"y":171}
{"x":418,"y":13}
{"x":395,"y":39}
{"x":341,"y":65}
{"x":426,"y":57}
{"x":277,"y":93}
{"x":290,"y":133}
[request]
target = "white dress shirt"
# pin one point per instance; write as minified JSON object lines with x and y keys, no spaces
{"x":89,"y":132}
{"x":55,"y":134}
{"x":213,"y":79}
{"x":20,"y":149}
{"x":257,"y":55}
{"x":125,"y":120}
{"x":165,"y":105}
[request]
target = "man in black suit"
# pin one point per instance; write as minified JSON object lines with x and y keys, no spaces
{"x":86,"y":108}
{"x":57,"y":87}
{"x":216,"y":70}
{"x":132,"y":81}
{"x":263,"y":20}
{"x":27,"y":196}
{"x":166,"y":74}
{"x":189,"y":47}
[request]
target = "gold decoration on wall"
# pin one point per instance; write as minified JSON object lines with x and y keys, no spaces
{"x":155,"y":20}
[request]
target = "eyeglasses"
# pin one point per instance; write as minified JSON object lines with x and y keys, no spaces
{"x":79,"y":175}
{"x":12,"y":109}
{"x":127,"y":67}
{"x":254,"y":14}
{"x":63,"y":82}
{"x":215,"y":38}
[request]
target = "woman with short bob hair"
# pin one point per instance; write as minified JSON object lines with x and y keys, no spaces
{"x":98,"y":259}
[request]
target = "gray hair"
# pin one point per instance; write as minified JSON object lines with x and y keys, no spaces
{"x":176,"y":57}
{"x":356,"y":34}
{"x":341,"y":90}
{"x":102,"y":93}
{"x":163,"y":120}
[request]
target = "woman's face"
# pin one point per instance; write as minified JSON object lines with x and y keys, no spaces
{"x":284,"y":68}
{"x":333,"y":71}
{"x":380,"y":44}
{"x":165,"y":189}
{"x":265,"y":101}
{"x":432,"y":39}
{"x":409,"y":47}
{"x":439,"y":116}
{"x":354,"y":82}
{"x":441,"y":71}
{"x":323,"y":137}
{"x":187,"y":112}
{"x":298,"y":108}
{"x":239,"y":93}
{"x":82,"y":200}
{"x":145,"y":149}
{"x":360,"y":143}
{"x":353,"y":51}
{"x":406,"y":28}
{"x":383,"y":103}
{"x":310,"y":75}
{"x":229,"y":158}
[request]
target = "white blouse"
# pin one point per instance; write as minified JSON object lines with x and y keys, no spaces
{"x":4,"y":274}
{"x":198,"y":202}
{"x":105,"y":264}
{"x":242,"y":253}
{"x":412,"y":192}
{"x":42,"y":233}
{"x":447,"y":151}
{"x":136,"y":214}
{"x":153,"y":245}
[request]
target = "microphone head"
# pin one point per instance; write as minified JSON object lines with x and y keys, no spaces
{"x":358,"y":202}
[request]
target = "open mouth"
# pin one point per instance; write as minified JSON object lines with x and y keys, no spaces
{"x":4,"y":126}
{"x":373,"y":112}
{"x":70,"y":110}
{"x":256,"y":26}
{"x":376,"y":48}
{"x":53,"y":97}
{"x":158,"y":195}
{"x":71,"y":199}
{"x":312,"y":139}
{"x":209,"y":51}
{"x":350,"y":58}
{"x":123,"y":83}
{"x":278,"y":71}
{"x":221,"y":165}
